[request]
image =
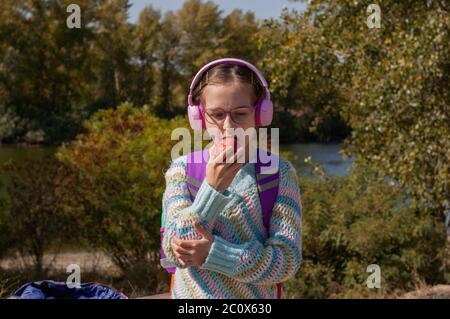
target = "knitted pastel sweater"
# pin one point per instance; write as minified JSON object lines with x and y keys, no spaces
{"x":245,"y":260}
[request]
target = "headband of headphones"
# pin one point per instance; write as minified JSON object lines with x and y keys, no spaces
{"x":210,"y":65}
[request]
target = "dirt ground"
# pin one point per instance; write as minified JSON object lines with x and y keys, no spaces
{"x":98,"y":262}
{"x":88,"y":262}
{"x":434,"y":292}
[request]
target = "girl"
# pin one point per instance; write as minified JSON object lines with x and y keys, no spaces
{"x":218,"y":242}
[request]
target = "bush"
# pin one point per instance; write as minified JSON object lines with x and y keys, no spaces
{"x":118,"y":166}
{"x":354,"y":221}
{"x":11,"y":125}
{"x":5,"y":241}
{"x":34,"y":216}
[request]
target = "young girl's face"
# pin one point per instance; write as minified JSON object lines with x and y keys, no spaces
{"x":235,"y":98}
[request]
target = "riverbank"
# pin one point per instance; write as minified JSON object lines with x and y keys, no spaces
{"x":325,"y":154}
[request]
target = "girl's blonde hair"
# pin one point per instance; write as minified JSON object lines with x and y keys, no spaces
{"x":225,"y":74}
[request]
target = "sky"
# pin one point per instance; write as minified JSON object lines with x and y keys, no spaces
{"x":263,"y":9}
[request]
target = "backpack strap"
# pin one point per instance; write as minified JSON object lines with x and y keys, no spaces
{"x":268,"y":191}
{"x":267,"y":185}
{"x":196,"y":170}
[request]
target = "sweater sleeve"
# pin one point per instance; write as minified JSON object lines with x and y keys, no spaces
{"x":279,"y":257}
{"x":180,"y":213}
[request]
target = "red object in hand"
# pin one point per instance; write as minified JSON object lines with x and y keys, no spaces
{"x":224,"y":144}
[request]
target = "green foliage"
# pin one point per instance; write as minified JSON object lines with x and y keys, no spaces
{"x":396,"y":81}
{"x":304,"y":71}
{"x":52,"y":77}
{"x":358,"y":220}
{"x":5,"y":218}
{"x":33,"y":215}
{"x":389,"y":84}
{"x":118,"y":179}
{"x":43,"y":69}
{"x":10,"y":124}
{"x":7,"y":284}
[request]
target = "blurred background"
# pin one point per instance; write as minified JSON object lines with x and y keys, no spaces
{"x":86,"y":116}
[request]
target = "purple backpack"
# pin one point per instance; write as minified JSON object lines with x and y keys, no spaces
{"x":267,"y":189}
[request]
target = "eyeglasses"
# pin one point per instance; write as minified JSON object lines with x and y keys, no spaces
{"x":239,"y":115}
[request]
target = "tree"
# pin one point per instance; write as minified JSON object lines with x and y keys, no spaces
{"x":396,"y":82}
{"x":238,"y":35}
{"x":43,"y":78}
{"x":167,"y":55}
{"x":145,"y":45}
{"x":199,"y":26}
{"x":111,"y":53}
{"x":304,"y":71}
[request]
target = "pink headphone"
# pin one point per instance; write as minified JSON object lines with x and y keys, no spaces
{"x":263,"y":108}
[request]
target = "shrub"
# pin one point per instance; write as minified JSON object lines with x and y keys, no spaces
{"x":118,"y":165}
{"x":11,"y":125}
{"x":34,"y":216}
{"x":354,"y":221}
{"x":4,"y":221}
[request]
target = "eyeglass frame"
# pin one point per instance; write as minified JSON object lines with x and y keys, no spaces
{"x":206,"y":114}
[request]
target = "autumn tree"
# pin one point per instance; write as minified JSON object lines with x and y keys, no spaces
{"x":396,"y":84}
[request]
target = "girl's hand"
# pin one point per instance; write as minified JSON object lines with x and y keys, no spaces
{"x":219,"y":173}
{"x":193,"y":252}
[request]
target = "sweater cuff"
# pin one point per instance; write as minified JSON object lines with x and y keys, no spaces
{"x":223,"y":257}
{"x":208,"y":202}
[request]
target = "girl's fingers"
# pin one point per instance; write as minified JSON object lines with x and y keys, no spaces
{"x":232,"y":169}
{"x":220,"y":158}
{"x":229,"y":153}
{"x":189,"y":244}
{"x":228,"y":157}
{"x":202,"y":231}
{"x":239,"y":157}
{"x":225,"y":155}
{"x":183,"y":257}
{"x":211,"y":157}
{"x":181,"y":261}
{"x":185,"y":262}
{"x":180,"y":251}
{"x":183,"y":251}
{"x":176,"y":241}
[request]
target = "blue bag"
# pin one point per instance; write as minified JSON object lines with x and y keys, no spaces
{"x":49,"y":289}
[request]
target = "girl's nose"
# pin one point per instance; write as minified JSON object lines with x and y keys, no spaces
{"x":228,"y":123}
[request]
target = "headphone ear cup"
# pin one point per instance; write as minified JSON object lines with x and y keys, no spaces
{"x":195,"y":118}
{"x":264,"y":113}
